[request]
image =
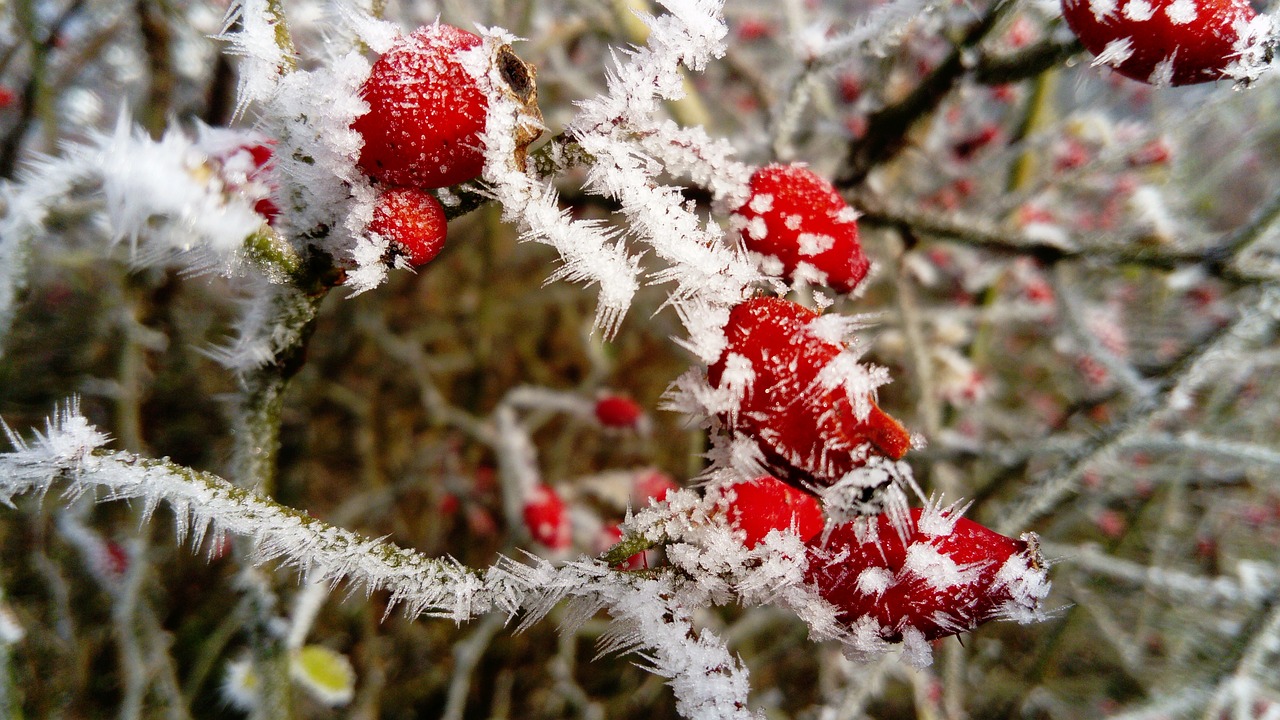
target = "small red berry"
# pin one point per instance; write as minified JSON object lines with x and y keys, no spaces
{"x":969,"y":146}
{"x":755,"y":29}
{"x":652,"y":486}
{"x":795,"y":216}
{"x":938,"y":574}
{"x":796,"y":403}
{"x":547,"y":518}
{"x":426,"y":112}
{"x":618,"y":411}
{"x":1170,"y":41}
{"x":766,"y":503}
{"x":412,"y":219}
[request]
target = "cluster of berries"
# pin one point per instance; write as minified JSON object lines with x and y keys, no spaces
{"x":925,"y":576}
{"x":422,"y":131}
{"x":799,"y":396}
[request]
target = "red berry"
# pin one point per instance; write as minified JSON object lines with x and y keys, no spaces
{"x":938,"y":575}
{"x":798,"y":218}
{"x":412,"y":219}
{"x":618,"y":411}
{"x":547,"y":518}
{"x":802,"y":418}
{"x":766,"y":503}
{"x":426,"y":112}
{"x":969,"y":146}
{"x":1169,"y":41}
{"x":652,"y":486}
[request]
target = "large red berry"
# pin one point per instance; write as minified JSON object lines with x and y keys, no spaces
{"x":547,"y":518}
{"x":938,"y":575}
{"x":412,"y":219}
{"x":426,"y":112}
{"x":796,"y":397}
{"x":1168,"y":41}
{"x":766,"y":503}
{"x":798,"y":218}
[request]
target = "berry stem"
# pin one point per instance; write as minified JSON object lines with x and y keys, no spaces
{"x":626,"y":547}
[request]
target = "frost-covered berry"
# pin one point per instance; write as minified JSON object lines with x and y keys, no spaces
{"x":413,"y":220}
{"x":1179,"y":42}
{"x":618,"y":411}
{"x":801,"y":395}
{"x":547,"y":518}
{"x":799,"y":220}
{"x":245,"y":163}
{"x":766,"y":503}
{"x":937,"y":575}
{"x":426,"y":112}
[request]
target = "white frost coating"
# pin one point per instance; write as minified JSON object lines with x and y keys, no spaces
{"x":814,"y":243}
{"x":703,"y":267}
{"x":590,"y":252}
{"x":1116,"y":52}
{"x":722,"y":570}
{"x":262,"y":61}
{"x":875,"y":33}
{"x":310,"y":115}
{"x":1101,"y":9}
{"x":847,"y":214}
{"x":356,"y":15}
{"x":709,"y":162}
{"x":938,"y":521}
{"x":937,"y":569}
{"x":202,"y":504}
{"x":1181,"y":12}
{"x":757,"y":229}
{"x":1139,"y":10}
{"x":1027,"y":585}
{"x":1162,"y":75}
{"x":874,"y":580}
{"x":144,"y":181}
{"x":838,"y":329}
{"x":1252,"y":49}
{"x":915,"y":648}
{"x":860,"y":381}
{"x":761,"y":203}
{"x":652,"y":615}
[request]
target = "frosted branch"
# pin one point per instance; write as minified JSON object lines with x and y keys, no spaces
{"x":205,"y":505}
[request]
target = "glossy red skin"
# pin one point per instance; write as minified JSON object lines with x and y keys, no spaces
{"x":425,"y":112}
{"x":412,"y":219}
{"x":547,"y":518}
{"x":807,"y":433}
{"x":798,"y":191}
{"x":837,"y":560}
{"x":766,"y":504}
{"x":618,"y":411}
{"x":1205,"y":46}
